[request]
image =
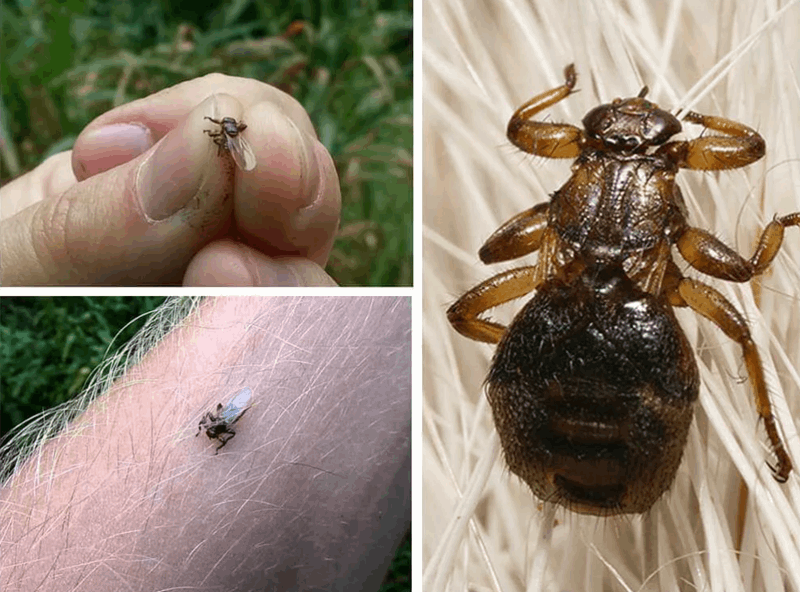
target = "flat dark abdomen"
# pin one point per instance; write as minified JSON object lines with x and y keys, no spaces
{"x":592,"y":390}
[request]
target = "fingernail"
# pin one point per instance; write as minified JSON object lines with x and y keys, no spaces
{"x":167,"y":179}
{"x":317,"y":176}
{"x":307,"y":148}
{"x":111,"y":145}
{"x":128,"y":138}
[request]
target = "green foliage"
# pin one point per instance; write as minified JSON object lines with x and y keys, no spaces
{"x":398,"y":578}
{"x":49,"y":346}
{"x":349,"y":63}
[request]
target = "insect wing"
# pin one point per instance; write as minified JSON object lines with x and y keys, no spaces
{"x":242,"y":153}
{"x":236,"y":406}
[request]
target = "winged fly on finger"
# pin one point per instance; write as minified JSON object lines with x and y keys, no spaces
{"x":219,"y":426}
{"x":229,"y":138}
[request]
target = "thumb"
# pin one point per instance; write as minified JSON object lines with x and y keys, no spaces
{"x":227,"y":263}
{"x":138,"y":223}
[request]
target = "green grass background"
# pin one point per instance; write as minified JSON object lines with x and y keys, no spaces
{"x":349,"y":62}
{"x":49,"y":347}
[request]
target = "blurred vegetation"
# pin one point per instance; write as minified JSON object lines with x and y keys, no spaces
{"x":398,"y":578}
{"x":349,"y":62}
{"x":49,"y":347}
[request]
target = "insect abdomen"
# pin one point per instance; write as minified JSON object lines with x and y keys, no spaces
{"x":592,"y":390}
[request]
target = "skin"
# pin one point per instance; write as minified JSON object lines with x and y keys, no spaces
{"x":313,"y":493}
{"x":144,"y":198}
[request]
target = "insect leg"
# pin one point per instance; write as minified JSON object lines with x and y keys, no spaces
{"x":203,"y":423}
{"x":739,"y":146}
{"x":503,"y":287}
{"x":706,"y":301}
{"x":224,"y":437}
{"x":551,"y":140}
{"x":706,"y":253}
{"x":519,"y":236}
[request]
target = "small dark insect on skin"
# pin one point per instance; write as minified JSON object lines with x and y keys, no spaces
{"x":593,"y":383}
{"x":219,"y":426}
{"x":228,"y":139}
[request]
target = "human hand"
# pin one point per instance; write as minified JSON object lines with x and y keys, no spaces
{"x":143,"y":198}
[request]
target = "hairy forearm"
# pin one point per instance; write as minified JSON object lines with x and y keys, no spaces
{"x":312,"y":492}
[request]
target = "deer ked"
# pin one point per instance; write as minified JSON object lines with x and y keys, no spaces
{"x":219,"y":426}
{"x":228,"y":138}
{"x":593,"y":384}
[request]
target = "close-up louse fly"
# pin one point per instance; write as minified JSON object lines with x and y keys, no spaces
{"x":229,"y":138}
{"x":219,"y":426}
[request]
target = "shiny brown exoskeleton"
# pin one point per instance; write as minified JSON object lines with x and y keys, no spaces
{"x":593,"y":384}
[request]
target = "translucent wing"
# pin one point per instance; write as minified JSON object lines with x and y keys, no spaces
{"x":242,"y":152}
{"x":236,"y":407}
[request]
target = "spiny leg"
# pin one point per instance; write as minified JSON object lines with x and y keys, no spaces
{"x":552,"y":140}
{"x":224,"y":437}
{"x":503,"y":287}
{"x":217,"y":136}
{"x":219,"y":139}
{"x":740,"y":146}
{"x":519,"y":236}
{"x":706,"y":301}
{"x":203,"y":422}
{"x":708,"y":254}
